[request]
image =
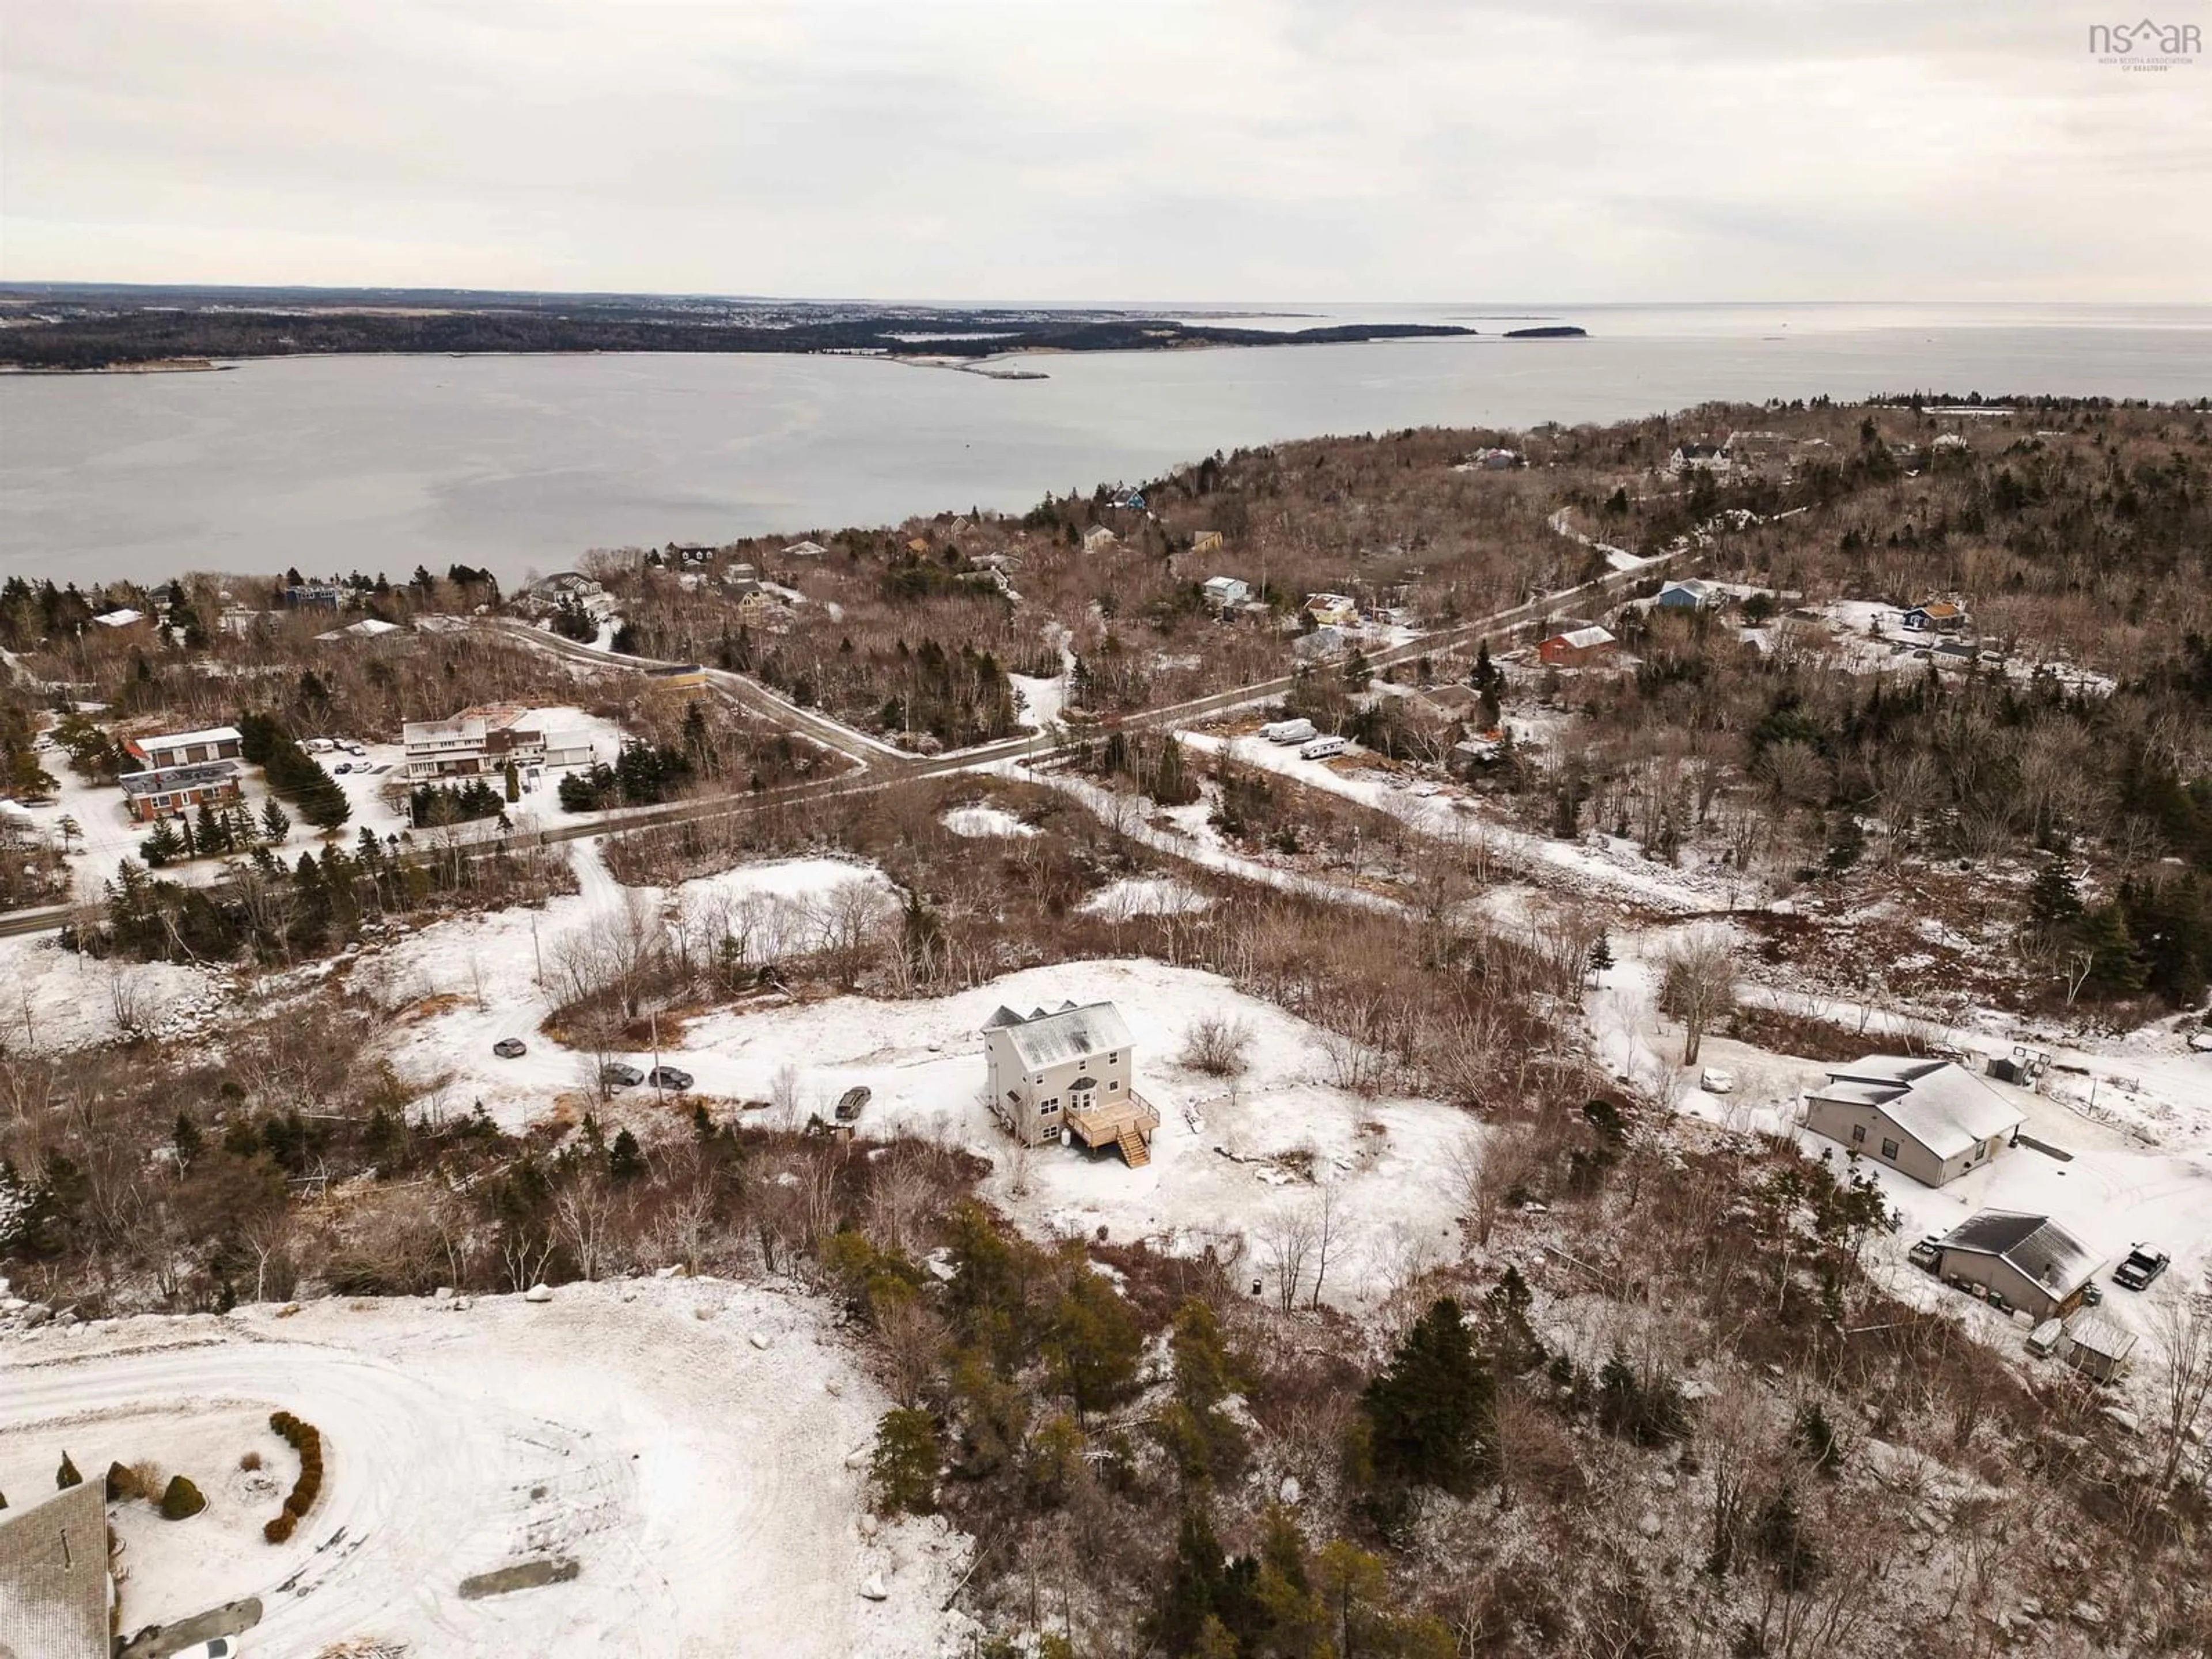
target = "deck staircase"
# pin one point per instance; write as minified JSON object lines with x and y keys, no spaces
{"x":1134,"y":1152}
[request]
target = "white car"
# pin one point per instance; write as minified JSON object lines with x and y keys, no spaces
{"x":222,"y":1647}
{"x":1714,"y":1081}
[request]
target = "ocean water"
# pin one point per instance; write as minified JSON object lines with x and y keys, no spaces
{"x":521,"y":464}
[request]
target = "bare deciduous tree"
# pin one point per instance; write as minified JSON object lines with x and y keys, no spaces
{"x":1697,"y":985}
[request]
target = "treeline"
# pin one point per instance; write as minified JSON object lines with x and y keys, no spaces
{"x":645,"y":774}
{"x":261,"y":907}
{"x":146,"y":336}
{"x":292,"y":772}
{"x":957,"y":698}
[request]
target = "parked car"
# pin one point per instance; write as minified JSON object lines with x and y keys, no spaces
{"x":620,"y":1074}
{"x":2140,"y":1269}
{"x":510,"y":1047}
{"x":669,"y":1077}
{"x":355,"y":749}
{"x":221,"y":1647}
{"x":1927,"y":1255}
{"x":342,"y":766}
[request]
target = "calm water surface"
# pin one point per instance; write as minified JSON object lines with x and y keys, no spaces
{"x":522,"y":463}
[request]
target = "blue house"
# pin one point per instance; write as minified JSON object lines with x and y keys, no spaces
{"x":1690,"y":595}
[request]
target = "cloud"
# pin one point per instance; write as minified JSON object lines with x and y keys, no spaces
{"x":1236,"y":149}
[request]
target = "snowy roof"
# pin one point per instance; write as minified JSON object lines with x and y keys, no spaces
{"x":123,"y":618}
{"x":2037,"y":1247}
{"x":1941,"y":1104}
{"x":54,"y":1576}
{"x":1689,"y":584}
{"x":2099,"y":1335}
{"x":167,"y":778}
{"x":805,"y":550}
{"x":184,"y":740}
{"x":1585,"y":638}
{"x":1042,"y":1039}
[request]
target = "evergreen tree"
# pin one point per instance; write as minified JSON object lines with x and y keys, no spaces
{"x":1093,"y":1342}
{"x":625,"y":1159}
{"x":163,"y":847}
{"x":906,"y":1460}
{"x":1600,"y":955}
{"x":185,"y":1137}
{"x":1429,"y":1413}
{"x":276,"y":823}
{"x":66,"y":1476}
{"x":2054,"y":900}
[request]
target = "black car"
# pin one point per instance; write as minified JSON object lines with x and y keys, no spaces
{"x":2141,"y":1267}
{"x":619,"y":1074}
{"x":668,"y":1077}
{"x":510,"y":1048}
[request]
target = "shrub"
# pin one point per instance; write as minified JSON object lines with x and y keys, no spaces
{"x":306,"y":1440}
{"x":121,"y":1483}
{"x":1216,"y":1044}
{"x":181,"y":1500}
{"x":66,"y":1476}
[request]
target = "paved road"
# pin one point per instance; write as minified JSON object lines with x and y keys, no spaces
{"x":879,"y":766}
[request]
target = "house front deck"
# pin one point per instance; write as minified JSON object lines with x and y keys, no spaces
{"x":1127,"y":1123}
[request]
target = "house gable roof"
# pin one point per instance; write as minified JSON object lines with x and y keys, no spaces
{"x":1940,"y":1103}
{"x":1583,"y":639}
{"x":1041,"y":1039}
{"x":2034,"y":1246}
{"x":53,"y":1578}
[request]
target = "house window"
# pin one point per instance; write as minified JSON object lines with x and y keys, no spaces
{"x":1889,"y":1150}
{"x":1114,"y":1085}
{"x":1050,"y":1107}
{"x":1858,"y":1134}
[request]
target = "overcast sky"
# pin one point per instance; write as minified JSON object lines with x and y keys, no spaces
{"x":1140,"y":149}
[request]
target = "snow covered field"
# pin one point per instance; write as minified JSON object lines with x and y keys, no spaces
{"x":984,"y":823}
{"x":1230,"y":1156}
{"x":496,"y":977}
{"x":1598,"y":864}
{"x":683,"y":1442}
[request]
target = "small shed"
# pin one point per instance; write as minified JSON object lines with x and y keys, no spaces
{"x":2096,"y":1346}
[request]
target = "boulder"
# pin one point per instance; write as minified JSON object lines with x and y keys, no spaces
{"x":1650,"y":1524}
{"x":758,"y":1338}
{"x":537,"y":1292}
{"x":1290,"y":1489}
{"x":872,"y":1586}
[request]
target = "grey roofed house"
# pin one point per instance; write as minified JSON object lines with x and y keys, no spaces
{"x":1043,"y":1040}
{"x":1932,"y":1119}
{"x":2029,"y":1260}
{"x":54,"y":1588}
{"x":1689,"y":593}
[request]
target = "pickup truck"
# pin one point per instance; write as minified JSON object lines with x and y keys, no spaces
{"x":2141,"y":1267}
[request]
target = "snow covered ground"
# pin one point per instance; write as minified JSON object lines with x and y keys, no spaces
{"x":55,"y":999}
{"x":458,"y":986}
{"x":1594,"y":862}
{"x":1229,"y":1157}
{"x":982,"y":823}
{"x":684,"y":1443}
{"x":1144,"y":896}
